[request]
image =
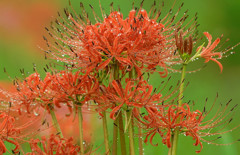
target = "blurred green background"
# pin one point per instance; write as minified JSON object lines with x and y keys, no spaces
{"x":22,"y":25}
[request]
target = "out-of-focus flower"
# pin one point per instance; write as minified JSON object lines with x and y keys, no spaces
{"x":22,"y":18}
{"x":8,"y":133}
{"x":166,"y":119}
{"x":56,"y":89}
{"x":27,"y":92}
{"x":14,"y":128}
{"x":54,"y":145}
{"x":67,"y":87}
{"x":68,"y":125}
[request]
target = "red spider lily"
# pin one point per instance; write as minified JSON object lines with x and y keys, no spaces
{"x":136,"y":93}
{"x":115,"y":96}
{"x":63,"y":87}
{"x":54,"y":145}
{"x":164,"y":120}
{"x":8,"y":133}
{"x":138,"y":41}
{"x":27,"y":92}
{"x":208,"y":52}
{"x":14,"y":131}
{"x":132,"y":41}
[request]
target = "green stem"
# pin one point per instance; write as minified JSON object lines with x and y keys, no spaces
{"x":122,"y":135}
{"x":80,"y":125}
{"x":130,"y":131}
{"x":140,"y":140}
{"x":115,"y":70}
{"x":55,"y":122}
{"x":176,"y":132}
{"x":105,"y":130}
{"x":170,"y":149}
{"x":174,"y":142}
{"x":115,"y":137}
{"x":182,"y":85}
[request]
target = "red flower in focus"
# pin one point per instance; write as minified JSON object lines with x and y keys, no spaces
{"x":54,"y":145}
{"x":208,"y":52}
{"x":164,"y":120}
{"x":115,"y":96}
{"x":134,"y":41}
{"x":138,"y":41}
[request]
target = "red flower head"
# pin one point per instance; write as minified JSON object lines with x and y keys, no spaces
{"x":14,"y":131}
{"x":132,"y":41}
{"x":138,"y":41}
{"x":8,"y":133}
{"x":166,"y":119}
{"x":54,"y":145}
{"x":56,"y":89}
{"x":163,"y":120}
{"x":27,"y":92}
{"x":115,"y":96}
{"x":67,"y":87}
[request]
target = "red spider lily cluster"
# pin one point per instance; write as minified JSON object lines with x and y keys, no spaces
{"x":107,"y":64}
{"x":135,"y":42}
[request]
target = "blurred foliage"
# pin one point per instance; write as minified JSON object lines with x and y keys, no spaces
{"x":22,"y":26}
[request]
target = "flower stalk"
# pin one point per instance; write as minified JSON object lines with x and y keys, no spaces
{"x":115,"y":137}
{"x":55,"y":122}
{"x":122,"y":135}
{"x":174,"y":141}
{"x":140,"y":140}
{"x":80,"y":124}
{"x":130,"y":131}
{"x":106,"y":60}
{"x":105,"y":130}
{"x":115,"y":70}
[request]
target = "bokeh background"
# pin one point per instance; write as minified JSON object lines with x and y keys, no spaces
{"x":22,"y":25}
